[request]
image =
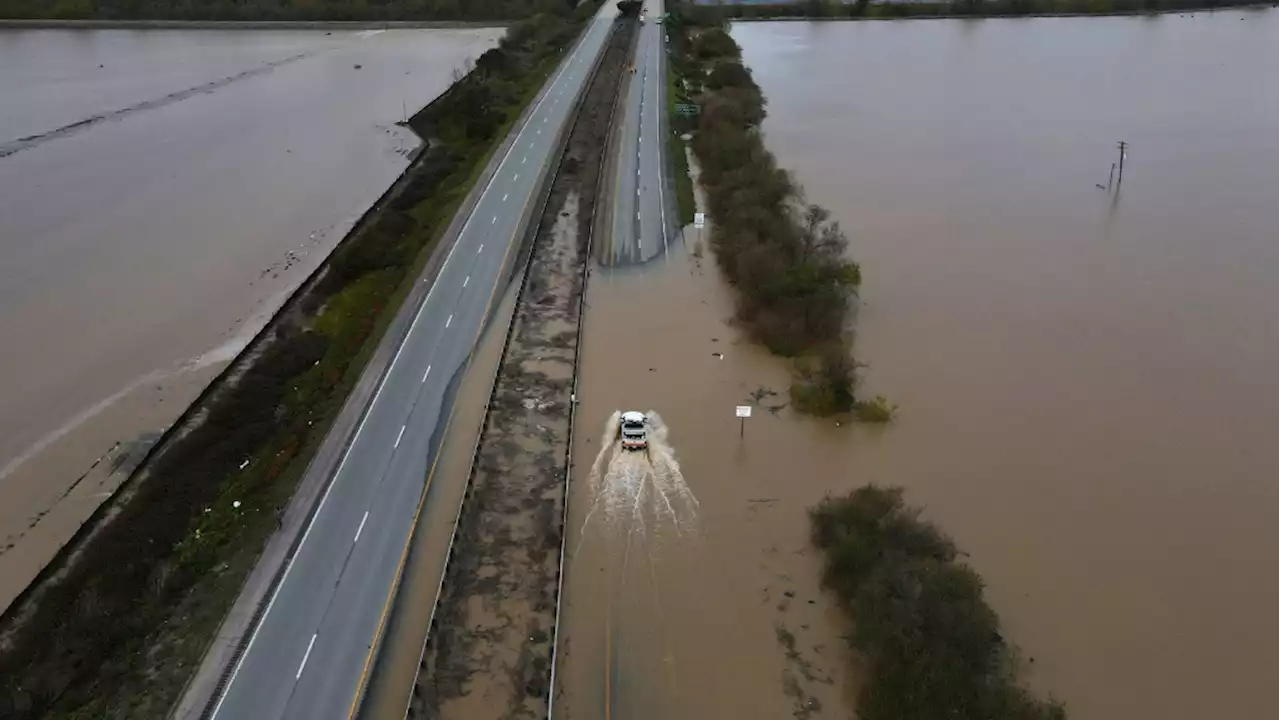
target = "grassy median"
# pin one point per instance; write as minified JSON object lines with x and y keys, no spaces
{"x":683,"y":182}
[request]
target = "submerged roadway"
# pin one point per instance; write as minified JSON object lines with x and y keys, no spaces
{"x":613,"y":674}
{"x":309,"y":654}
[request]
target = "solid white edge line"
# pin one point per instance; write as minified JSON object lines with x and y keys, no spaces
{"x":399,"y":435}
{"x":382,"y":384}
{"x":657,"y":138}
{"x":305,"y":656}
{"x":360,"y":529}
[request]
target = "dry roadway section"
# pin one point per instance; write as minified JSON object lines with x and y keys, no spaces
{"x":308,"y":656}
{"x":640,"y":209}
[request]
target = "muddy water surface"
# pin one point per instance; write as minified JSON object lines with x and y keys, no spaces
{"x":138,"y":252}
{"x":1087,"y":383}
{"x":701,"y":605}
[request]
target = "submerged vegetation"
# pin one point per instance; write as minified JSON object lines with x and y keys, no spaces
{"x":787,"y":259}
{"x":931,"y":645}
{"x":121,"y":617}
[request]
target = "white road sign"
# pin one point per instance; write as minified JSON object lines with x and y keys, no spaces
{"x":699,"y":220}
{"x":744,"y":411}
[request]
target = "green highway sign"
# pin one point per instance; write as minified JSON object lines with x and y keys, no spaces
{"x":686,"y":109}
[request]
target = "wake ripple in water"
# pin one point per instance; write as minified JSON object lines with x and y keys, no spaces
{"x":30,"y":141}
{"x":632,"y":489}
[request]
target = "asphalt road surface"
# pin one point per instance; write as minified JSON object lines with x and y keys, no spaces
{"x":641,"y":215}
{"x":309,"y":656}
{"x":615,"y":674}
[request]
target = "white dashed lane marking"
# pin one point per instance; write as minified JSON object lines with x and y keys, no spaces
{"x":361,"y":528}
{"x":306,"y":655}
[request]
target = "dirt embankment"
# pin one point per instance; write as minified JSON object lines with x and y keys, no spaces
{"x":489,"y":651}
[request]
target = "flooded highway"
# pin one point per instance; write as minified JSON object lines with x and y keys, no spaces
{"x":1085,"y":379}
{"x":683,"y":604}
{"x":161,"y":192}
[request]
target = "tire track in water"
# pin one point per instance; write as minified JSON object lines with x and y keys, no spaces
{"x":30,"y":141}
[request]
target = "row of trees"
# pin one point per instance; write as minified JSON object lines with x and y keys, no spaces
{"x":788,"y":259}
{"x":962,"y":8}
{"x":931,"y":644}
{"x":376,"y":10}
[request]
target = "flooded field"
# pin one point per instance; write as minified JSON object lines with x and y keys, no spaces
{"x":161,"y":192}
{"x":1085,"y":380}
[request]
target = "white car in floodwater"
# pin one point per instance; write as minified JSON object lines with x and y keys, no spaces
{"x":633,"y":430}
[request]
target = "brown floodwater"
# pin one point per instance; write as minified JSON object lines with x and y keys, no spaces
{"x":141,"y":249}
{"x":679,"y":593}
{"x":1084,"y":380}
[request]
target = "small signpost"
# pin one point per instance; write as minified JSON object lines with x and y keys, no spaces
{"x":699,"y":220}
{"x":743,"y":412}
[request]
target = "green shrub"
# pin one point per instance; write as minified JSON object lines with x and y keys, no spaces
{"x":931,"y":645}
{"x":876,"y":410}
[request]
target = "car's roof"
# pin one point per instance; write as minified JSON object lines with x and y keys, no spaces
{"x":633,"y":416}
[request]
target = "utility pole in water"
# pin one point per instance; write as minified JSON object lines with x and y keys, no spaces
{"x":1120,"y":177}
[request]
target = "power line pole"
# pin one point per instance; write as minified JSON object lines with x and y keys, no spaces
{"x":1120,"y":177}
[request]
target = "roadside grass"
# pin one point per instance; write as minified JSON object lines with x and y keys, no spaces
{"x":119,"y":632}
{"x":676,"y":149}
